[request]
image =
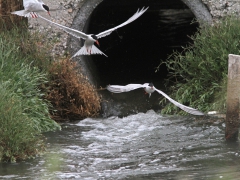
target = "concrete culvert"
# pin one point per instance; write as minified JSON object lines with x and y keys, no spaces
{"x":135,"y":50}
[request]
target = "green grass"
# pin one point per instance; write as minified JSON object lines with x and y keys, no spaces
{"x":198,"y":74}
{"x":19,"y":138}
{"x":24,"y":111}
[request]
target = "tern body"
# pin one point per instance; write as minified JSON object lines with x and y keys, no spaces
{"x":89,"y":47}
{"x":149,"y":88}
{"x":31,"y":8}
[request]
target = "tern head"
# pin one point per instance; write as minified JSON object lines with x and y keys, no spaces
{"x":151,"y":85}
{"x":149,"y":89}
{"x":46,"y":8}
{"x":96,"y":39}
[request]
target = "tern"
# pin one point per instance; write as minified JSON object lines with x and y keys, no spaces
{"x":31,"y":8}
{"x":149,"y":89}
{"x":89,"y":47}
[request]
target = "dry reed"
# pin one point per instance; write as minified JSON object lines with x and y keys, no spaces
{"x":70,"y":93}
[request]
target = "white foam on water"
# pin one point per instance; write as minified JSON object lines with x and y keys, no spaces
{"x":134,"y":146}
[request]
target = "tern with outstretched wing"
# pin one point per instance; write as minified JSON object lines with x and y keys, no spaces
{"x":31,"y":8}
{"x":89,"y":47}
{"x":149,"y":88}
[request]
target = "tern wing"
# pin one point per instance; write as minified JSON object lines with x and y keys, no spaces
{"x":23,"y":13}
{"x":131,"y":19}
{"x":183,"y":107}
{"x":129,"y":87}
{"x":28,"y":1}
{"x":75,"y":33}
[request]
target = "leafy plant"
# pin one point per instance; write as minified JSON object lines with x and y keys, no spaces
{"x":198,"y":73}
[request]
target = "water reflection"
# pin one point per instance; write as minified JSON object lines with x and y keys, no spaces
{"x":141,"y":146}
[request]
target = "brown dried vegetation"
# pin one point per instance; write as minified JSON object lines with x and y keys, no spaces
{"x":8,"y":21}
{"x":70,"y":93}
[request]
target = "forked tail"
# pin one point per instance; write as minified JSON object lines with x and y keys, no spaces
{"x":84,"y":51}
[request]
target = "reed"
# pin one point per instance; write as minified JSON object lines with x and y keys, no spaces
{"x":24,"y":111}
{"x":70,"y":92}
{"x":19,"y":138}
{"x":198,"y":74}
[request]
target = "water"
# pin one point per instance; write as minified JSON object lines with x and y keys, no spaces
{"x":137,"y":147}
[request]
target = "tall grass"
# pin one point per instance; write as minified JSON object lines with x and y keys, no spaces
{"x":30,"y":47}
{"x":19,"y":138}
{"x":199,"y":73}
{"x":32,"y":86}
{"x":19,"y":64}
{"x":24,"y":112}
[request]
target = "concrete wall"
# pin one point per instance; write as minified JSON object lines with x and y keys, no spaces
{"x":63,"y":12}
{"x":217,"y":8}
{"x":221,"y":8}
{"x":75,"y":14}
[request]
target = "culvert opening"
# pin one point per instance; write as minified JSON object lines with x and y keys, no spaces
{"x":135,"y":50}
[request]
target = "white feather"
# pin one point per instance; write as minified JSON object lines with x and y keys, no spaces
{"x":95,"y":50}
{"x":73,"y":32}
{"x":31,"y":7}
{"x":131,"y":19}
{"x":130,"y":87}
{"x":183,"y":107}
{"x":22,"y":13}
{"x":127,"y":88}
{"x":89,"y":47}
{"x":84,"y":51}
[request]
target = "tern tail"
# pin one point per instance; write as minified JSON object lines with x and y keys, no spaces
{"x":95,"y":50}
{"x":85,"y":51}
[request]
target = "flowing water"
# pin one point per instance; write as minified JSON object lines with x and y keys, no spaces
{"x":141,"y":146}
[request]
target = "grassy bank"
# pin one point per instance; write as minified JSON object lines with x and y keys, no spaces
{"x":24,"y":113}
{"x":198,"y":74}
{"x":34,"y":90}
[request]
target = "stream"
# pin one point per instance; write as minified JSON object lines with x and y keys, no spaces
{"x":136,"y":147}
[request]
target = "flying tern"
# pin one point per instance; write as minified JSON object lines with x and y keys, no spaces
{"x":31,"y":8}
{"x":149,"y":88}
{"x":89,"y":47}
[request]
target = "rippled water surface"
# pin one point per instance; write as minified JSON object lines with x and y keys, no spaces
{"x":141,"y":146}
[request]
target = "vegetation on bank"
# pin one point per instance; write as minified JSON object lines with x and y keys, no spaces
{"x":71,"y":100}
{"x":34,"y":90}
{"x":29,"y":81}
{"x":20,"y":138}
{"x":198,"y":74}
{"x":24,"y":113}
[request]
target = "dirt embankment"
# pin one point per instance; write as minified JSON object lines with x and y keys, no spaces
{"x":62,"y":12}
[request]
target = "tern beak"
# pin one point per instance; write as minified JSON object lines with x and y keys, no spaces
{"x":97,"y":42}
{"x":49,"y":13}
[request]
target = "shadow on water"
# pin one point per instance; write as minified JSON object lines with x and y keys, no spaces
{"x":141,"y":146}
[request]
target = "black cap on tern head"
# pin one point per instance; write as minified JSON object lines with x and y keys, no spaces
{"x":46,"y":7}
{"x":94,"y":37}
{"x":150,"y":84}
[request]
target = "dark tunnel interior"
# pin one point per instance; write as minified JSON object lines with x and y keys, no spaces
{"x":135,"y":50}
